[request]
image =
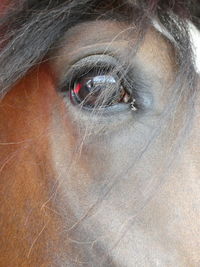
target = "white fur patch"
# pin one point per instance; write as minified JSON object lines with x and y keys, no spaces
{"x":195,"y":38}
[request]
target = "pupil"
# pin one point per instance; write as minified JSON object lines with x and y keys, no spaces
{"x":97,"y":91}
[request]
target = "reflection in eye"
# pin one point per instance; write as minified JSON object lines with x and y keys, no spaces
{"x":99,"y":90}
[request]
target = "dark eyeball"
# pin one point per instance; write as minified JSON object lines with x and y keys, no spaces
{"x":98,"y":91}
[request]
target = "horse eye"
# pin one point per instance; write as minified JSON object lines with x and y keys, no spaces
{"x":98,"y":91}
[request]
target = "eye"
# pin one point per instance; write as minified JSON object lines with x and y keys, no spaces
{"x":99,"y":89}
{"x":100,"y":82}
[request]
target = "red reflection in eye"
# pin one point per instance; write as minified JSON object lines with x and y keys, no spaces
{"x":77,"y":88}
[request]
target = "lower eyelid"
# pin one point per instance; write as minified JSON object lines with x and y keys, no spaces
{"x":116,"y":115}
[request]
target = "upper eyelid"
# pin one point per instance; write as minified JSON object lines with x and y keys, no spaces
{"x":66,"y":56}
{"x":116,"y":48}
